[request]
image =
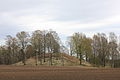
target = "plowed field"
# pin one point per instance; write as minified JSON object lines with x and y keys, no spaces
{"x":57,"y":73}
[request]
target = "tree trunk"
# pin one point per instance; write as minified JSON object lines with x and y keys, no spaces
{"x":44,"y":54}
{"x":86,"y":57}
{"x":80,"y":59}
{"x":36,"y":58}
{"x":94,"y":60}
{"x":24,"y":56}
{"x":51,"y":59}
{"x":44,"y":47}
{"x":40,"y":58}
{"x":77,"y":55}
{"x":104,"y":61}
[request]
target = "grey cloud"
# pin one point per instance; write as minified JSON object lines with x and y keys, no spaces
{"x":104,"y":29}
{"x":11,"y":5}
{"x":8,"y":29}
{"x":63,"y":10}
{"x":83,"y":11}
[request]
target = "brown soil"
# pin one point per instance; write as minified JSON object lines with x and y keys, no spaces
{"x":57,"y":73}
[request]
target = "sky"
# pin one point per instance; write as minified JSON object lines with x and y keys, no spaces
{"x":63,"y":16}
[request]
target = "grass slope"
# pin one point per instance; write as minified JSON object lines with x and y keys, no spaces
{"x":63,"y":59}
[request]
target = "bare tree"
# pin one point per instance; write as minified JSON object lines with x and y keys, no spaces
{"x":52,"y":44}
{"x":113,"y":48}
{"x":23,"y":39}
{"x":78,"y":45}
{"x":38,"y":44}
{"x":44,"y":43}
{"x":12,"y":45}
{"x":87,"y":48}
{"x":70,"y":43}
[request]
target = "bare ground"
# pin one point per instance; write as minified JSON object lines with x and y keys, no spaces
{"x":57,"y":73}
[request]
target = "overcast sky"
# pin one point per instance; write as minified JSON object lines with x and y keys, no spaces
{"x":63,"y":16}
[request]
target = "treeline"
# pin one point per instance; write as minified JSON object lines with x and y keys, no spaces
{"x":99,"y":50}
{"x":26,"y":45}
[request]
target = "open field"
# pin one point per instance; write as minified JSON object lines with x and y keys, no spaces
{"x":57,"y":73}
